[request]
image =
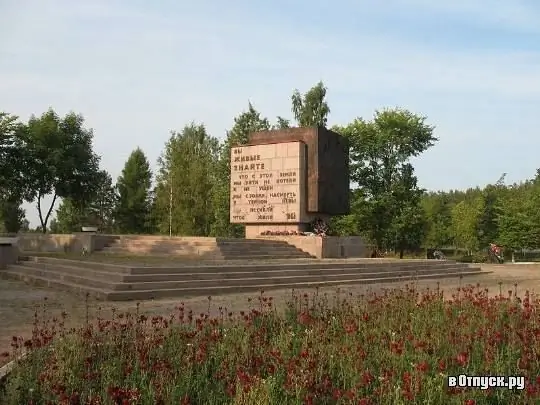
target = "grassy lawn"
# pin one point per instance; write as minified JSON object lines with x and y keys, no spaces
{"x":392,"y":347}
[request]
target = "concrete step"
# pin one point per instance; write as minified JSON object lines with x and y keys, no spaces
{"x":165,"y":274}
{"x":257,"y":266}
{"x":82,"y":280}
{"x":180,"y":276}
{"x":181,"y":252}
{"x":209,"y":243}
{"x":217,"y":280}
{"x":288,"y":254}
{"x":101,"y":289}
{"x":108,"y":276}
{"x":98,"y":293}
{"x":224,"y":252}
{"x":213,"y":291}
{"x":114,"y":268}
{"x":99,"y":280}
{"x":205,"y":258}
{"x":310,"y":266}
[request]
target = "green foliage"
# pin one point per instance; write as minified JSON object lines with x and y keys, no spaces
{"x":186,"y":181}
{"x":68,"y":218}
{"x":101,"y":207}
{"x":60,"y":160}
{"x":53,"y":156}
{"x":99,"y":211}
{"x":247,"y":122}
{"x":487,"y":222}
{"x":519,"y":218}
{"x":311,"y":109}
{"x":438,"y":216}
{"x":465,"y":222}
{"x":13,"y":187}
{"x":386,"y":203}
{"x":132,"y":211}
{"x":395,"y":347}
{"x":281,"y":123}
{"x":10,"y":156}
{"x":12,"y":216}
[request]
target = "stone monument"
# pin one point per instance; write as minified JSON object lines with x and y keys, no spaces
{"x":282,"y":180}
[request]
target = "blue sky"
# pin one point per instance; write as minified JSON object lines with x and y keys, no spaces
{"x":138,"y":69}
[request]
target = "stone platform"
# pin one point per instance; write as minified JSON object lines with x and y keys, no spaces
{"x":124,"y":282}
{"x":205,"y":248}
{"x":260,"y":247}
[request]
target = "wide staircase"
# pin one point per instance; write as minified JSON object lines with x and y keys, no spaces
{"x":204,"y":248}
{"x":121,"y":283}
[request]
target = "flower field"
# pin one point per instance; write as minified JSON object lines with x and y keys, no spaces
{"x":395,"y":347}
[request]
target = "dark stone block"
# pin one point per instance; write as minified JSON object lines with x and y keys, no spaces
{"x":327,"y":166}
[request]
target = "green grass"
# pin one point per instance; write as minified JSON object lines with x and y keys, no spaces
{"x":392,"y":348}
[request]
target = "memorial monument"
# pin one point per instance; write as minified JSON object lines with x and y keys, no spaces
{"x":282,"y":180}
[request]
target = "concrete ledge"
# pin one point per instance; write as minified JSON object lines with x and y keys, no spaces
{"x":9,"y":252}
{"x":6,"y":369}
{"x":329,"y":247}
{"x":203,"y":247}
{"x":76,"y":242}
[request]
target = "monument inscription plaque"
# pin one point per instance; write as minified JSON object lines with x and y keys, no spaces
{"x":268,"y":183}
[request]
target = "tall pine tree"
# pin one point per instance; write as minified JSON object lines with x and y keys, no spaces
{"x":132,"y":213}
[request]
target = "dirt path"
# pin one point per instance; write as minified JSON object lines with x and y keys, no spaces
{"x":19,"y":302}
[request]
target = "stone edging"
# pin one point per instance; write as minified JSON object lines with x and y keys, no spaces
{"x":6,"y":369}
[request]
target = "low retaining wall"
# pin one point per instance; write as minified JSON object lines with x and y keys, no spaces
{"x":329,"y":247}
{"x":76,"y":242}
{"x":9,"y":252}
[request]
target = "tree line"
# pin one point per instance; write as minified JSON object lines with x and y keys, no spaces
{"x":189,"y":192}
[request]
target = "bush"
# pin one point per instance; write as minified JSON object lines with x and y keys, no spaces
{"x":392,"y":348}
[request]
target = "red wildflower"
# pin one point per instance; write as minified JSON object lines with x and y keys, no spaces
{"x":462,"y":358}
{"x":442,"y":365}
{"x":305,"y":318}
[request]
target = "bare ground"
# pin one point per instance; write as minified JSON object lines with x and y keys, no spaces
{"x":19,"y":301}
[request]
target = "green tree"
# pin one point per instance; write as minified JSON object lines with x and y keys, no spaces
{"x":186,"y":181}
{"x":12,"y":216}
{"x":247,"y":122}
{"x":132,"y":211}
{"x":99,"y":210}
{"x":13,"y":174}
{"x":54,"y":227}
{"x":68,"y":218}
{"x":438,"y":215}
{"x":281,"y":123}
{"x":386,"y":200}
{"x":408,"y":226}
{"x":60,"y":161}
{"x":465,"y":221}
{"x":518,"y":219}
{"x":311,"y":109}
{"x":488,"y":230}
